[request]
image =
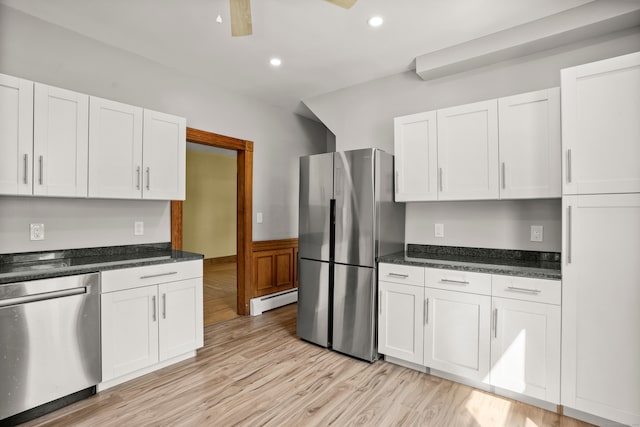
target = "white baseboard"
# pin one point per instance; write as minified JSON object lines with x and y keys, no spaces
{"x":269,"y":302}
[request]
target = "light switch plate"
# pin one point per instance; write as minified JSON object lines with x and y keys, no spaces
{"x":37,"y":231}
{"x":536,"y":233}
{"x":439,"y":230}
{"x":138,"y":228}
{"x":259,"y":217}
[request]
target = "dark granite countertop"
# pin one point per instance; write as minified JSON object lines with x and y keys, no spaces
{"x":42,"y":265}
{"x":541,"y":265}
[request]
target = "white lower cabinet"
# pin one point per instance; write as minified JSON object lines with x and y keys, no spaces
{"x":400,"y":321}
{"x":525,"y":348}
{"x":456,"y":333}
{"x":499,"y":331}
{"x":129,"y":331}
{"x":147,"y":325}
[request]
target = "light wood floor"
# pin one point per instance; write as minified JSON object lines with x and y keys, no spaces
{"x":255,"y":371}
{"x":219,"y":292}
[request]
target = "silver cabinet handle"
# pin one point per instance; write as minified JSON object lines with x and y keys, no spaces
{"x":26,"y":168}
{"x":440,"y":178}
{"x":41,"y":179}
{"x":380,"y":302}
{"x":426,"y":311}
{"x":525,"y":290}
{"x":138,"y":178}
{"x":569,"y":166}
{"x":504,"y":177}
{"x":397,"y":179}
{"x":148,"y":178}
{"x":153,"y":306}
{"x":150,"y":276}
{"x":403,"y":276}
{"x":455,"y":282}
{"x":569,"y":234}
{"x":164,"y":306}
{"x":495,"y":323}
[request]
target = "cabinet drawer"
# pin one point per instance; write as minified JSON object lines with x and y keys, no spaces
{"x":456,"y":280}
{"x":397,"y":273}
{"x":527,"y":289}
{"x":135,"y":277}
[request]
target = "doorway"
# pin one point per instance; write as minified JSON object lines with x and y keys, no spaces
{"x":244,"y":165}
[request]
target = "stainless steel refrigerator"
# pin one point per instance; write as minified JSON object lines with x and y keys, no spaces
{"x":347,"y":219}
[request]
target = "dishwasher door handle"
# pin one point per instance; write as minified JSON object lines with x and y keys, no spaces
{"x":42,"y":297}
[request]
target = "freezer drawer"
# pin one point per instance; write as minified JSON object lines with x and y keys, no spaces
{"x":313,"y":301}
{"x":354,"y":311}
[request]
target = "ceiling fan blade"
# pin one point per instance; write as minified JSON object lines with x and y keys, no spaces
{"x":343,"y":3}
{"x":241,"y":18}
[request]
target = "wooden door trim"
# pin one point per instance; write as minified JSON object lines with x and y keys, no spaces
{"x":244,"y":208}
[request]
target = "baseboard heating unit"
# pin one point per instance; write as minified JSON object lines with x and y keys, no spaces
{"x":269,"y":302}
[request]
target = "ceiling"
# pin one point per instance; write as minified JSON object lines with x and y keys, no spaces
{"x":323,"y":47}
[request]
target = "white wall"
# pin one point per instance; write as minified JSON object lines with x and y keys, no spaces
{"x":73,"y":223}
{"x":500,"y":224}
{"x":362,"y":116}
{"x":36,"y":50}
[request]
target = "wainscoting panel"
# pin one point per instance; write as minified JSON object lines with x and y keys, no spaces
{"x":274,"y":266}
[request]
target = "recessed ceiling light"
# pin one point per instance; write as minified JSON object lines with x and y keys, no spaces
{"x":276,"y":62}
{"x":375,"y":21}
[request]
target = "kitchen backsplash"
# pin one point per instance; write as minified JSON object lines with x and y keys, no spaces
{"x":80,"y":223}
{"x":497,"y":224}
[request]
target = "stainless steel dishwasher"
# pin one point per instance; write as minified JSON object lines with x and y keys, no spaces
{"x":49,"y":340}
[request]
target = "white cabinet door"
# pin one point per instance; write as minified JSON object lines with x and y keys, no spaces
{"x":115,"y":149}
{"x":16,"y":135}
{"x":468,"y":151}
{"x":600,"y":126}
{"x":181,"y":321}
{"x":416,"y":157}
{"x":530,"y":152}
{"x":164,"y":156}
{"x":600,"y":306}
{"x":525,"y":348}
{"x":60,"y":142}
{"x":129,"y":331}
{"x":457,"y":333}
{"x":401,"y":316}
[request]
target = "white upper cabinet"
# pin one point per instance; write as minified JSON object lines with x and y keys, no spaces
{"x":530,"y":152}
{"x":601,"y":126}
{"x":164,"y":156}
{"x":135,"y":153}
{"x":115,"y":150}
{"x":16,"y":135}
{"x":468,"y":151}
{"x":416,"y":157}
{"x":60,"y":142}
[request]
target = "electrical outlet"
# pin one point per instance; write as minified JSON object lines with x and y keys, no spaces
{"x":37,"y":231}
{"x":536,"y":233}
{"x":439,"y":230}
{"x":259,"y":217}
{"x":138,"y":228}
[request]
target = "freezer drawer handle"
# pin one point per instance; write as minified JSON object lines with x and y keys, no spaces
{"x":403,"y":276}
{"x":150,"y":276}
{"x":455,"y":282}
{"x":42,"y":297}
{"x":525,"y":290}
